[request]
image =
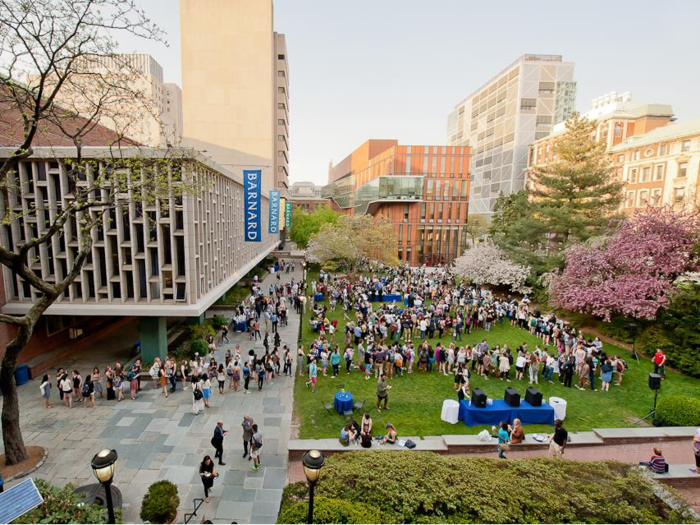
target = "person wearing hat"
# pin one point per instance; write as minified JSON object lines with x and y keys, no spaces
{"x":218,"y":441}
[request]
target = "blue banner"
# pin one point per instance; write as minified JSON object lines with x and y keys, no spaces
{"x":252,"y":180}
{"x":274,"y":222}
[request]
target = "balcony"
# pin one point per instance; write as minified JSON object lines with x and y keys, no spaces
{"x":368,"y":197}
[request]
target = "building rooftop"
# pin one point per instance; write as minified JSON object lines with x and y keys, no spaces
{"x":669,"y":132}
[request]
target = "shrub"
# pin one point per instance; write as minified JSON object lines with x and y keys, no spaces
{"x":425,"y":487}
{"x":654,"y":337}
{"x":199,"y":346}
{"x":62,"y":505}
{"x":219,"y":321}
{"x":202,"y":331}
{"x":618,"y":328}
{"x":678,"y":411}
{"x":328,"y":510}
{"x":160,"y":503}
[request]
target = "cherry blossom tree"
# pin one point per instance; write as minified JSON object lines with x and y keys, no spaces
{"x":486,"y":263}
{"x":633,"y":271}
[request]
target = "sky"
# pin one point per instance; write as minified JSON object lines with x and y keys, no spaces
{"x":365,"y":69}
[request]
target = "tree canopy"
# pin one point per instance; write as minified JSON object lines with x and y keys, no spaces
{"x":305,"y":224}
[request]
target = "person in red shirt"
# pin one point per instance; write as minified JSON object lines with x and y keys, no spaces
{"x":660,"y":363}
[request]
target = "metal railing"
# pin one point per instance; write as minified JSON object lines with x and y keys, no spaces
{"x":198,"y":502}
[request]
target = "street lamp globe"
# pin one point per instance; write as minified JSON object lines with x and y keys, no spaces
{"x":313,"y":461}
{"x":103,"y":465}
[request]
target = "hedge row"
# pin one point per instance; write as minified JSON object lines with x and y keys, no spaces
{"x":678,"y":411}
{"x":423,"y":487}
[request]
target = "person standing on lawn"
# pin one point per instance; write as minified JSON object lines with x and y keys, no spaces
{"x":382,"y":392}
{"x":660,"y":363}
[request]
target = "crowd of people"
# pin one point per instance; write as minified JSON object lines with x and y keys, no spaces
{"x":261,"y":314}
{"x":423,"y":333}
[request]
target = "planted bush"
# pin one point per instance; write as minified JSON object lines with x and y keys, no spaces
{"x":219,"y":321}
{"x":200,"y":346}
{"x":62,"y":505}
{"x":678,"y":411}
{"x":328,"y":510}
{"x":424,"y":487}
{"x":160,"y":503}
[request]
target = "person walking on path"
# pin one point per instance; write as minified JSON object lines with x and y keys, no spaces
{"x":558,"y":440}
{"x":247,"y":425}
{"x":218,"y":441}
{"x":503,"y":440}
{"x":208,"y":473}
{"x":382,"y":392}
{"x":256,"y":444}
{"x":197,"y":395}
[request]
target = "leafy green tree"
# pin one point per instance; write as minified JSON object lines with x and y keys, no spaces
{"x":477,"y":226}
{"x":305,"y":225}
{"x":576,"y":196}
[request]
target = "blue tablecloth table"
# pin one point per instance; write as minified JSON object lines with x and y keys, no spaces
{"x":500,"y":411}
{"x":318,"y":297}
{"x":242,"y":327}
{"x":343,"y":402}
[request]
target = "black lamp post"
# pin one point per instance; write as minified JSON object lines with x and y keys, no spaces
{"x":313,"y":461}
{"x":103,"y":467}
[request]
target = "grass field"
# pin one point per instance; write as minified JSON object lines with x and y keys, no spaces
{"x":416,"y":399}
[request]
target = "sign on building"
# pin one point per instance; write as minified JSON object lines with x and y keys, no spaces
{"x":274,"y":221}
{"x":252,"y":180}
{"x":288,"y":215}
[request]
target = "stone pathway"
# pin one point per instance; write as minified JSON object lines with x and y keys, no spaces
{"x":159,"y":438}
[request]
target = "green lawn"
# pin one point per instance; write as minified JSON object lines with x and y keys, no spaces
{"x":416,"y":399}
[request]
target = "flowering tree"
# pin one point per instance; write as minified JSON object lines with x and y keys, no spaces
{"x":632,"y":272}
{"x":486,"y":263}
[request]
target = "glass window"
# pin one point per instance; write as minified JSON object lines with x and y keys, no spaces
{"x":678,"y":195}
{"x":659,"y":174}
{"x":685,"y":146}
{"x":646,"y":174}
{"x":422,"y":211}
{"x":464,"y":189}
{"x":400,"y":233}
{"x":683,"y":169}
{"x":633,"y":175}
{"x":637,"y":155}
{"x":408,"y":234}
{"x":429,"y":191}
{"x":438,"y":194}
{"x":643,"y":198}
{"x":621,"y":158}
{"x":656,"y":197}
{"x":630,"y":200}
{"x":662,"y":149}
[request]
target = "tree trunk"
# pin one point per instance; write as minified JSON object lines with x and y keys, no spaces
{"x":15,"y":451}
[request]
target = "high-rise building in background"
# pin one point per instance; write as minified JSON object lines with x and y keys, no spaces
{"x":306,"y":196}
{"x":422,"y":190}
{"x":235,"y":82}
{"x":501,"y":119}
{"x":149,"y":112}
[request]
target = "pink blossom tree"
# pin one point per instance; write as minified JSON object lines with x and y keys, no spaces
{"x":633,"y":271}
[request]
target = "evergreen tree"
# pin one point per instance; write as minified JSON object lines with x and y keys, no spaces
{"x":575,"y":196}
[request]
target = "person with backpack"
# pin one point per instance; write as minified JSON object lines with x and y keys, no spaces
{"x":256,"y":444}
{"x":88,"y":392}
{"x":197,"y":396}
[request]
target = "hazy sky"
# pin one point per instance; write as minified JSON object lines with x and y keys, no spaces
{"x":364,"y":69}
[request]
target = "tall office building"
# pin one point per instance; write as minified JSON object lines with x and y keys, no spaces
{"x":235,"y":83}
{"x":502,"y":118}
{"x":148,"y":112}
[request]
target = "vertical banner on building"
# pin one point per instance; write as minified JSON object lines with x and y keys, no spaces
{"x":252,"y":180}
{"x":288,"y":215}
{"x":274,"y":221}
{"x":283,"y":210}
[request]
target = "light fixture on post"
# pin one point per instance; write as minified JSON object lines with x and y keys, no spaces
{"x":103,"y":467}
{"x":313,"y":462}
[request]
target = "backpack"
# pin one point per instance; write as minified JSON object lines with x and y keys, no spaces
{"x":86,"y":389}
{"x":198,"y":394}
{"x":410,"y":444}
{"x":258,"y":443}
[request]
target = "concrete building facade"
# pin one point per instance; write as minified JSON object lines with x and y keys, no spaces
{"x":150,"y":112}
{"x":502,"y":118}
{"x":171,"y":258}
{"x":235,"y":82}
{"x":422,"y":190}
{"x":306,"y":196}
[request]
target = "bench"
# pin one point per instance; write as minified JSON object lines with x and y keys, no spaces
{"x":297,"y":447}
{"x":679,"y":476}
{"x":619,"y":436}
{"x":470,"y":443}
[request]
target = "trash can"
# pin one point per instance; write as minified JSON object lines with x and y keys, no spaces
{"x":22,"y":375}
{"x":559,"y":406}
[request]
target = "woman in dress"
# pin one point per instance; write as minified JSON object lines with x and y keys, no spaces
{"x":88,"y":392}
{"x":133,"y":377}
{"x":207,"y":472}
{"x":109,"y":375}
{"x":236,"y":375}
{"x":154,"y":372}
{"x":118,"y":383}
{"x":197,"y":395}
{"x":45,"y":389}
{"x":162,"y":377}
{"x":221,"y":378}
{"x":95,"y":376}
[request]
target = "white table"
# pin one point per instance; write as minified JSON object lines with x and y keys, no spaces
{"x":450,"y":411}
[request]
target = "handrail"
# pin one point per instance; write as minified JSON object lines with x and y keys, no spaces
{"x":197,"y":504}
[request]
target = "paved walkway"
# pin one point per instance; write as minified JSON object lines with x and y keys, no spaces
{"x":159,"y":438}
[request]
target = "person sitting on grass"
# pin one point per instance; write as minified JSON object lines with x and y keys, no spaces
{"x":348,"y":435}
{"x":657,"y":464}
{"x":391,"y":435}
